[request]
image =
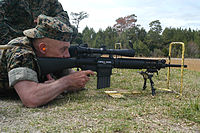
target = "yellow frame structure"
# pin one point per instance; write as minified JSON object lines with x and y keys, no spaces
{"x":120,"y":47}
{"x":182,"y":64}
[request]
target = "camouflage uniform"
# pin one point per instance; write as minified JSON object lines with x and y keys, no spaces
{"x":19,"y":15}
{"x":20,"y":63}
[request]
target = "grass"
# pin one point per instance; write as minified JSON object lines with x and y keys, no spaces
{"x":94,"y":111}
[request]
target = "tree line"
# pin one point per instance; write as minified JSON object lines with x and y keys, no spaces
{"x":152,"y":43}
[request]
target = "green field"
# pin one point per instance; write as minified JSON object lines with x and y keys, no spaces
{"x":92,"y":110}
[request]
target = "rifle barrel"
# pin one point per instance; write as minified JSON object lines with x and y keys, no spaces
{"x":143,"y":64}
{"x":175,"y":65}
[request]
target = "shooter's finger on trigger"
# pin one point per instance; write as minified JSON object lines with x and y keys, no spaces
{"x":89,"y":72}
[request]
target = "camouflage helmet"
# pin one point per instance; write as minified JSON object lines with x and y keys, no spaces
{"x":51,"y":28}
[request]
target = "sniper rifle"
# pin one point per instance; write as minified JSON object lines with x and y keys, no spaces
{"x":91,"y":59}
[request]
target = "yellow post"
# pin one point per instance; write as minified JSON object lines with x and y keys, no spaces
{"x":119,"y":47}
{"x":182,"y":64}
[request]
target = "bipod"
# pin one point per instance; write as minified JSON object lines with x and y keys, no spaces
{"x":146,"y":75}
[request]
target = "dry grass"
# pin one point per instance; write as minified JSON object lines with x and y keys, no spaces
{"x":94,"y":111}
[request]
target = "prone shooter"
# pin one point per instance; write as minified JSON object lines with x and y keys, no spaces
{"x":90,"y":59}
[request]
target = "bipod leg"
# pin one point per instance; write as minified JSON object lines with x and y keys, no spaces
{"x":152,"y":85}
{"x":145,"y":83}
{"x":149,"y":76}
{"x":145,"y":77}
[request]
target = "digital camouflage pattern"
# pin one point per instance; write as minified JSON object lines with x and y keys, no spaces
{"x":50,"y":27}
{"x":20,"y":61}
{"x":21,"y":55}
{"x":19,"y":15}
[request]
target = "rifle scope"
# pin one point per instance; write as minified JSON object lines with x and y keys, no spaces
{"x":78,"y":50}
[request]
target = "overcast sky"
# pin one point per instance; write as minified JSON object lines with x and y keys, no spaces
{"x":103,"y":13}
